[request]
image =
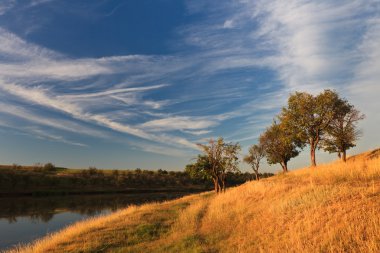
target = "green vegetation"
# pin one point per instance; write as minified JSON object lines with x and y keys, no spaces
{"x":219,"y":159}
{"x":255,"y":154}
{"x":326,"y":117}
{"x":47,"y":179}
{"x":323,"y":121}
{"x":333,"y":208}
{"x":279,"y":146}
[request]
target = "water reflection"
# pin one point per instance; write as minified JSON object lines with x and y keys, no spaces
{"x":44,"y":208}
{"x":25,"y":219}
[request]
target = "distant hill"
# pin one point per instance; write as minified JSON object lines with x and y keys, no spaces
{"x":331,"y":208}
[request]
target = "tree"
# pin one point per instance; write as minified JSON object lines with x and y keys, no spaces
{"x":201,"y":169}
{"x":219,"y":158}
{"x":255,"y":154}
{"x":342,"y":132}
{"x":308,"y":117}
{"x":279,"y":146}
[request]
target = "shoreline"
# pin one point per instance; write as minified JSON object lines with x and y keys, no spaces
{"x":62,"y":192}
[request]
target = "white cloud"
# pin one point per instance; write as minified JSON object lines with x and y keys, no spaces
{"x":50,"y":122}
{"x":34,"y":3}
{"x":313,"y":41}
{"x":229,"y":23}
{"x":40,"y":97}
{"x":364,"y":89}
{"x":306,"y":45}
{"x":199,"y":132}
{"x":178,"y":123}
{"x":114,"y":91}
{"x":6,"y":5}
{"x":42,"y":134}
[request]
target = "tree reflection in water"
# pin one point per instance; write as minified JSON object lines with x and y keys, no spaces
{"x":43,"y":209}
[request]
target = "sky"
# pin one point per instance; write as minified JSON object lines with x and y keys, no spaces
{"x":137,"y":83}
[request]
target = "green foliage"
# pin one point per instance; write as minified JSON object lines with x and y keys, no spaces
{"x":29,"y":180}
{"x":307,"y":117}
{"x":279,"y":146}
{"x":49,"y":167}
{"x":342,"y":132}
{"x":162,"y":172}
{"x":200,"y":169}
{"x":147,"y":232}
{"x":255,"y":154}
{"x":37,"y":167}
{"x":219,"y":159}
{"x":15,"y":166}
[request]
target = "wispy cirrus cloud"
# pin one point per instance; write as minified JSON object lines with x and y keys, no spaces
{"x":307,"y":45}
{"x":40,"y":97}
{"x":26,"y":64}
{"x":6,"y":5}
{"x":55,"y":123}
{"x":232,"y":70}
{"x":178,"y":123}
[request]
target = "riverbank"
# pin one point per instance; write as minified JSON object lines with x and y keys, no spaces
{"x":25,"y":219}
{"x":49,"y":180}
{"x":331,"y":208}
{"x":45,"y":180}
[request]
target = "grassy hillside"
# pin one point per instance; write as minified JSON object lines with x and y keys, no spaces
{"x":332,"y":208}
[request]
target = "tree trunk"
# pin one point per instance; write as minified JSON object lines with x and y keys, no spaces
{"x":312,"y":156}
{"x":216,"y":185}
{"x":257,"y":175}
{"x":284,"y":166}
{"x":222,"y":183}
{"x":344,"y":156}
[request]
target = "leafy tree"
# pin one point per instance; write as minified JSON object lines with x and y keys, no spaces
{"x":255,"y":154}
{"x":342,"y":132}
{"x":279,"y":146}
{"x":219,"y":159}
{"x":201,"y":169}
{"x":308,"y":117}
{"x":49,"y":166}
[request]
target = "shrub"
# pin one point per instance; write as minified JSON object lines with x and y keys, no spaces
{"x":16,"y":166}
{"x":49,"y":167}
{"x":92,"y":171}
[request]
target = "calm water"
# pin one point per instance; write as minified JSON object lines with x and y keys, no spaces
{"x":25,"y":219}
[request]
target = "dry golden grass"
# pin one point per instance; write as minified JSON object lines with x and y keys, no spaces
{"x":331,"y":208}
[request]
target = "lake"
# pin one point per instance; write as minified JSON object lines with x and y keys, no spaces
{"x":24,"y":219}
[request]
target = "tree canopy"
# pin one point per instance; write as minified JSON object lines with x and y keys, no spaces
{"x":308,"y":117}
{"x":342,"y":132}
{"x":279,"y":145}
{"x":219,"y":158}
{"x":255,"y":154}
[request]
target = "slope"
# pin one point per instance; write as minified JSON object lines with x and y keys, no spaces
{"x":331,"y":208}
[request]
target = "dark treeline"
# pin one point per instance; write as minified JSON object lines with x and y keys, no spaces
{"x":48,"y":179}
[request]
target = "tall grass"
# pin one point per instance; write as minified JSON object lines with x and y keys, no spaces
{"x":332,"y":208}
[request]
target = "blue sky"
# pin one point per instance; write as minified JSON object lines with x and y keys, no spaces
{"x":126,"y":84}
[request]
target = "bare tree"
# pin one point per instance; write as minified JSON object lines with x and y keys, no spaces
{"x":255,"y":154}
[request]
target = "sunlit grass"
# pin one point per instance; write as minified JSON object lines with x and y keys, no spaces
{"x":331,"y":208}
